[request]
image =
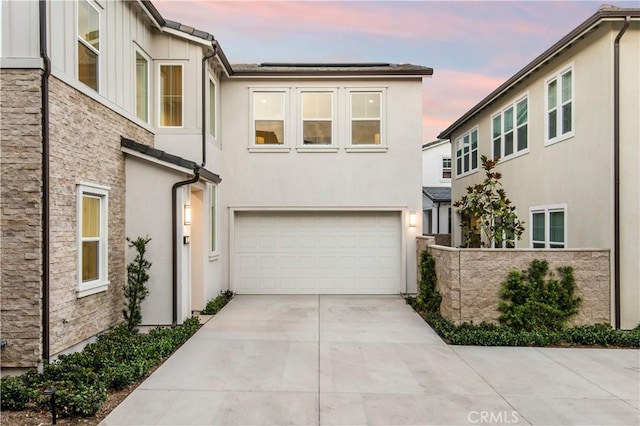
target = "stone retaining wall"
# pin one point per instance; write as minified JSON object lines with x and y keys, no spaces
{"x":470,"y":279}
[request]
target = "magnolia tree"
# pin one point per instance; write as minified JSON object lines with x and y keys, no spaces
{"x":489,"y":218}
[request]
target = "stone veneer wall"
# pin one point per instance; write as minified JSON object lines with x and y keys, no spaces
{"x":470,"y":279}
{"x":21,"y":217}
{"x":85,"y":148}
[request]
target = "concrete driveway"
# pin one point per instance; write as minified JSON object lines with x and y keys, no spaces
{"x":371,"y":360}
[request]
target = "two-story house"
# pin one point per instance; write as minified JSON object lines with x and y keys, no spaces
{"x":566,"y":129}
{"x":436,"y":187}
{"x":119,"y":123}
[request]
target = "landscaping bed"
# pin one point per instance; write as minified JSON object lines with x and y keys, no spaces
{"x":91,"y":383}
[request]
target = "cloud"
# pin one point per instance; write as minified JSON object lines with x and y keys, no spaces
{"x":451,"y":93}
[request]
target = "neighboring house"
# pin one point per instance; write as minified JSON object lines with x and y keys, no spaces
{"x":122,"y":125}
{"x":565,"y":127}
{"x":436,"y":187}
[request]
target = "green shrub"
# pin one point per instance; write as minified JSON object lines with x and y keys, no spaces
{"x":532,"y":302}
{"x":135,"y":290}
{"x":428,"y":296}
{"x":116,"y":359}
{"x":488,"y":334}
{"x":15,"y":393}
{"x":214,"y":305}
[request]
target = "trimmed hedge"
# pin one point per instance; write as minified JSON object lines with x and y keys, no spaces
{"x":487,"y":334}
{"x":214,"y":305}
{"x":82,"y":379}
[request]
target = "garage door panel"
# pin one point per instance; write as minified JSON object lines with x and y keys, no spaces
{"x":317,"y":252}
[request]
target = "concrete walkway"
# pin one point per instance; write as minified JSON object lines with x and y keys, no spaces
{"x":367,"y":360}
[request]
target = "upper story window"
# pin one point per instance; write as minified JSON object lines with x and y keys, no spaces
{"x":467,"y":153}
{"x":317,"y":118}
{"x":366,"y":118}
{"x":559,"y":104}
{"x":92,"y":239}
{"x":170,"y":97}
{"x":548,"y":226}
{"x":510,"y":129}
{"x":142,"y":87}
{"x":212,"y":108}
{"x":88,"y":44}
{"x":269,"y":118}
{"x":446,"y":168}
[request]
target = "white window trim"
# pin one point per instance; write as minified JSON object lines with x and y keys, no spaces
{"x":300,"y":147}
{"x":442,"y":168}
{"x":216,"y":99}
{"x":285,"y":146}
{"x":159,"y":93}
{"x":382,"y":146}
{"x":454,"y":160}
{"x":138,"y":50}
{"x":547,"y":210}
{"x":102,"y":283}
{"x":213,"y":197}
{"x":557,"y":75}
{"x":83,"y":41}
{"x":500,"y":113}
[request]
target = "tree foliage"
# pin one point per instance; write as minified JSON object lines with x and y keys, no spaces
{"x":488,"y":213}
{"x":136,"y":290}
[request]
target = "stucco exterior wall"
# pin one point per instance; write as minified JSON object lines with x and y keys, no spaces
{"x":432,"y":164}
{"x":470,"y":280}
{"x":578,"y":172}
{"x":85,"y":148}
{"x":327,"y":180}
{"x":21,"y":217}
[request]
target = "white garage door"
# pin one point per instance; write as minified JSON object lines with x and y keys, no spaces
{"x":317,"y":253}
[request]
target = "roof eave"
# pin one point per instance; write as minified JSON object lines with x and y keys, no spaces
{"x":568,"y":40}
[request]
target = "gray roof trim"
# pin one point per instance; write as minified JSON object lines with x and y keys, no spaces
{"x":188,"y":30}
{"x":169,"y":158}
{"x":435,"y":143}
{"x":604,"y":13}
{"x":329,"y":69}
{"x":437,"y":194}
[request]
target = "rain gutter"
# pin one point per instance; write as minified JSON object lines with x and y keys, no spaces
{"x":616,"y":168}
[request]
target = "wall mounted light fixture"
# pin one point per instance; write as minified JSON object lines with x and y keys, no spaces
{"x":412,"y":219}
{"x":187,"y":214}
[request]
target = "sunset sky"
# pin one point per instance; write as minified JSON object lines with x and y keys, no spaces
{"x":473,"y":46}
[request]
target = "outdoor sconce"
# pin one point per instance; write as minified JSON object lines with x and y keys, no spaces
{"x":412,"y":219}
{"x":187,"y":214}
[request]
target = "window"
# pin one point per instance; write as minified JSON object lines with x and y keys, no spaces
{"x":366,"y":118}
{"x":269,"y":118}
{"x":317,"y":118}
{"x":212,"y":108}
{"x":92,"y":239}
{"x":213,"y":218}
{"x":170,"y":95}
{"x":510,"y":129}
{"x":559,"y":101}
{"x":548,"y":227}
{"x":88,"y":44}
{"x":446,"y":168}
{"x":142,"y":87}
{"x":467,"y":153}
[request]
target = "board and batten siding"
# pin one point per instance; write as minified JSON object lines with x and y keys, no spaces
{"x":123,"y":26}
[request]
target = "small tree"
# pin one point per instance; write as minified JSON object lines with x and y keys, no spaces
{"x":488,"y":212}
{"x":428,"y":295}
{"x":135,"y":290}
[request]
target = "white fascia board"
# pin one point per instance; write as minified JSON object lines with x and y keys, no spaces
{"x":154,"y":160}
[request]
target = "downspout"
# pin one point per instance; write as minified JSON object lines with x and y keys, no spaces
{"x":205,"y":58}
{"x":44,"y":90}
{"x":174,"y":239}
{"x":616,"y":168}
{"x":438,"y":218}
